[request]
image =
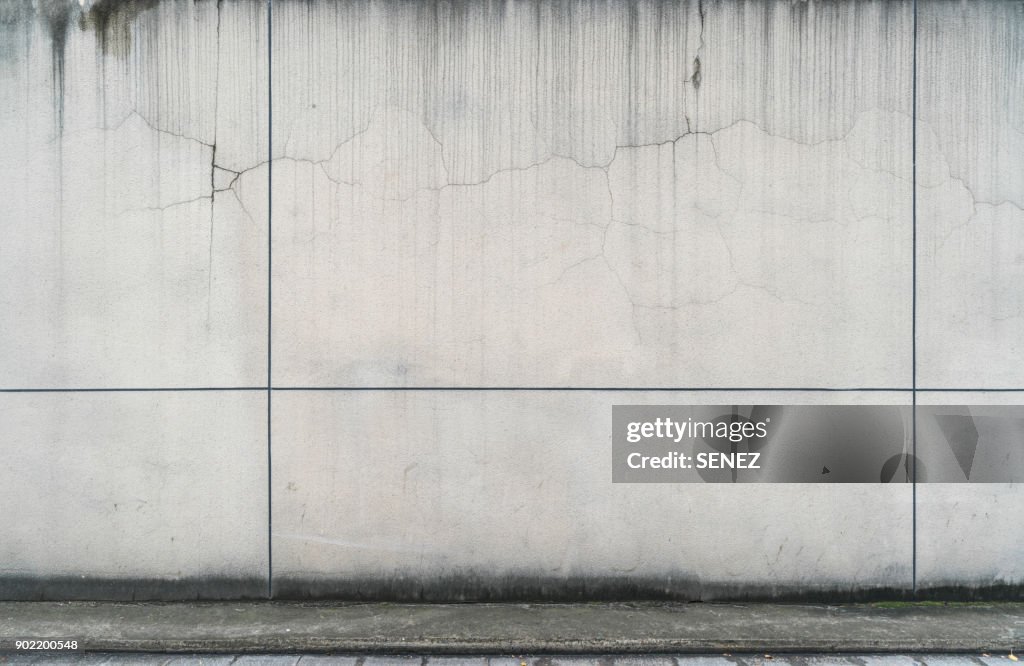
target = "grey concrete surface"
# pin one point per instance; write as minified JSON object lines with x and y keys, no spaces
{"x":970,"y":190}
{"x":120,"y":487}
{"x":519,"y":629}
{"x":130,"y":260}
{"x":595,"y":194}
{"x":968,"y":532}
{"x":455,"y":495}
{"x":530,"y":660}
{"x":525,"y":195}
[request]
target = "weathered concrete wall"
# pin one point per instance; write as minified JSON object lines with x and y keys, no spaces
{"x":970,"y":252}
{"x":134,"y":255}
{"x":481,"y":225}
{"x":595,"y":194}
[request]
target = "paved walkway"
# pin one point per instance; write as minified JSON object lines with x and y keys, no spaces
{"x":481,"y":629}
{"x":112,"y":659}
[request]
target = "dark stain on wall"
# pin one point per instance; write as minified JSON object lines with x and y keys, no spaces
{"x":596,"y":588}
{"x":76,"y":588}
{"x":112,"y":20}
{"x":57,"y":16}
{"x":577,"y":588}
{"x":477,"y":588}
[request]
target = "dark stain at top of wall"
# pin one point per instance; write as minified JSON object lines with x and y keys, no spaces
{"x":57,"y":14}
{"x":112,"y":20}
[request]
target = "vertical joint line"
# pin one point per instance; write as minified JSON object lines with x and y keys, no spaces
{"x":270,"y":257}
{"x":913,"y":317}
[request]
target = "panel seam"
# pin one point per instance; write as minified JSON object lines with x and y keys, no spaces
{"x":913,"y":317}
{"x":270,"y":289}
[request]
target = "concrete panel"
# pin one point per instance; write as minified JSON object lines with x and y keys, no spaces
{"x":134,"y":212}
{"x":481,"y":494}
{"x":133,"y":495}
{"x":968,"y":534}
{"x":970,"y":191}
{"x":592,"y":194}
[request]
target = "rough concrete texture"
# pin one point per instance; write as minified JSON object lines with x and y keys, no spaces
{"x":971,"y":532}
{"x":134,"y":209}
{"x":970,"y":189}
{"x":519,"y":629}
{"x":492,"y":195}
{"x":119,"y":487}
{"x":592,"y":194}
{"x":728,"y":659}
{"x":452,"y":495}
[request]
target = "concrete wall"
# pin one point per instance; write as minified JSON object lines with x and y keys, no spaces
{"x":334,"y":297}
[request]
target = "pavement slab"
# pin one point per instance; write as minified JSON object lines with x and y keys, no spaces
{"x":518,"y":629}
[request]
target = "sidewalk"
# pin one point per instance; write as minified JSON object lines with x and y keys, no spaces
{"x":729,"y":659}
{"x":619,"y":628}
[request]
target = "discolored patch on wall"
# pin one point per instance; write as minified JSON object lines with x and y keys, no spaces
{"x":112,"y":21}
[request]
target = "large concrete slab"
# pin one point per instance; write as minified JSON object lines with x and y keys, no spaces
{"x":970,"y":192}
{"x":134,"y":214}
{"x":133,"y":495}
{"x":592,"y":194}
{"x":968,"y":534}
{"x":468,"y":495}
